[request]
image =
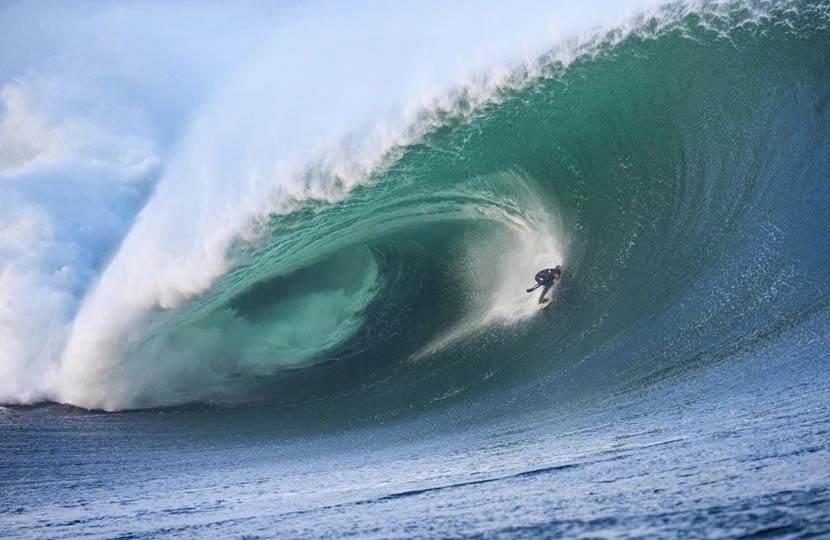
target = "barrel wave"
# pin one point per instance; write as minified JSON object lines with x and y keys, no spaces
{"x":329,"y":288}
{"x":676,"y":168}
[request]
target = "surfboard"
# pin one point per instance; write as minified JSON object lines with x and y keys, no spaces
{"x":543,"y":304}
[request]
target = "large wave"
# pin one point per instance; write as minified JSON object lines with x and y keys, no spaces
{"x":345,"y":222}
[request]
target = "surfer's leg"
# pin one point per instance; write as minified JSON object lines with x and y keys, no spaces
{"x":544,"y":292}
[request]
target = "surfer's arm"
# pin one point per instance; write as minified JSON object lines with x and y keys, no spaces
{"x":534,"y":287}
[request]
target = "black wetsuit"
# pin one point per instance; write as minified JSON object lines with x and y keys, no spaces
{"x":545,"y":278}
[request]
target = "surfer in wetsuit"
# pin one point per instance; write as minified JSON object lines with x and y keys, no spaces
{"x":545,"y":278}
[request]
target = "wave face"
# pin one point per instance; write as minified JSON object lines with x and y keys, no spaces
{"x":677,"y":167}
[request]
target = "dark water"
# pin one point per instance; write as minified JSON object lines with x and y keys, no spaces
{"x":678,"y":387}
{"x":711,"y":454}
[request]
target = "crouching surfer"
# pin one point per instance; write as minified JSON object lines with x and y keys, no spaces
{"x":546,"y":278}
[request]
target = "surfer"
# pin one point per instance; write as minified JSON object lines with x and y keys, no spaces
{"x":545,"y":278}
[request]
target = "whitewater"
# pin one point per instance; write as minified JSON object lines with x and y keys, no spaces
{"x":263,"y":270}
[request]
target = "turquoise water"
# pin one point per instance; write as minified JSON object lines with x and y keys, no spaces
{"x":679,"y":176}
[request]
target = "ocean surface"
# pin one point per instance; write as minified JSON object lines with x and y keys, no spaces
{"x":325,"y":334}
